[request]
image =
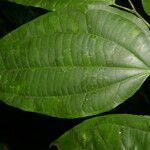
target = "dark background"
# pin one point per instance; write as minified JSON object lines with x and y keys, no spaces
{"x":22,"y":130}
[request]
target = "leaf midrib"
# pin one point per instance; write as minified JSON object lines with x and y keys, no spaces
{"x":39,"y":97}
{"x":146,"y":70}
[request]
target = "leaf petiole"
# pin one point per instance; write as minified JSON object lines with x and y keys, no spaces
{"x":133,"y":11}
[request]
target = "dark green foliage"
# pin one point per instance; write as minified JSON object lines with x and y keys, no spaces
{"x":73,"y":59}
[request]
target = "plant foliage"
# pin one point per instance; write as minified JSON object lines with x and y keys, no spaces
{"x":81,"y":67}
{"x":146,"y":5}
{"x":113,"y":132}
{"x":81,"y":58}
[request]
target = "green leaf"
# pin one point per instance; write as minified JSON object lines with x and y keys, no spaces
{"x":57,"y":4}
{"x":74,"y":63}
{"x":113,"y":132}
{"x":146,"y":5}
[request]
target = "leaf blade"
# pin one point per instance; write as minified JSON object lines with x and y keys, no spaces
{"x":146,"y":5}
{"x":54,"y":5}
{"x":83,"y":66}
{"x":108,"y":132}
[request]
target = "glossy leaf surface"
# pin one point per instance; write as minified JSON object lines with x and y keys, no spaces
{"x":75,"y":62}
{"x":146,"y":6}
{"x":59,"y":4}
{"x":113,"y":132}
